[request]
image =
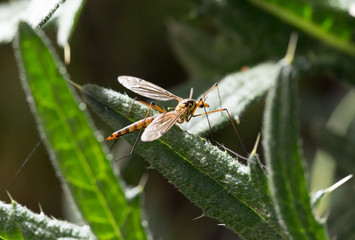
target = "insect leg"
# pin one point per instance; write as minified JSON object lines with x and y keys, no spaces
{"x":152,"y":105}
{"x":202,"y":102}
{"x":231,"y":120}
{"x":139,"y":134}
{"x":209,"y":90}
{"x":124,"y":122}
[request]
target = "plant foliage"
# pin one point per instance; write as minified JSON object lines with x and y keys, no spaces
{"x":238,"y":44}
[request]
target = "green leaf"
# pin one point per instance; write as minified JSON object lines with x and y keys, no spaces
{"x":259,"y":179}
{"x":215,"y":43}
{"x":17,"y":222}
{"x":322,"y":22}
{"x":284,"y":160}
{"x":74,"y":148}
{"x":240,"y":34}
{"x":210,"y":178}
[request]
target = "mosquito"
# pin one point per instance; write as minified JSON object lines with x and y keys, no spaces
{"x":156,"y":126}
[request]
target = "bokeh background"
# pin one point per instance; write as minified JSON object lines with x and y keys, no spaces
{"x":140,"y":38}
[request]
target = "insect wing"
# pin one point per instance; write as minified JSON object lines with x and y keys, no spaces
{"x":146,"y":88}
{"x":160,"y":125}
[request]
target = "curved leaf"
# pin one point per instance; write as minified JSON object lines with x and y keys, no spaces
{"x":74,"y":148}
{"x":17,"y":222}
{"x":210,"y":178}
{"x":328,"y":25}
{"x":284,"y":160}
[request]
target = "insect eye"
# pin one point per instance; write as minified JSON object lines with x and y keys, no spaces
{"x":201,"y":105}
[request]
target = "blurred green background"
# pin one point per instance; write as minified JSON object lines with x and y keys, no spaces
{"x":141,"y":38}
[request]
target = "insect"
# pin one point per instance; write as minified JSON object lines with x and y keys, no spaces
{"x":156,"y":126}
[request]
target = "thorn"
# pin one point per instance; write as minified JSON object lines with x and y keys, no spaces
{"x":256,"y":145}
{"x":291,"y":49}
{"x":143,"y":181}
{"x":339,"y":183}
{"x":67,"y":53}
{"x":150,"y":167}
{"x":40,"y":208}
{"x":191,"y":92}
{"x":8,"y":194}
{"x":237,"y":119}
{"x":196,"y":218}
{"x":79,"y":87}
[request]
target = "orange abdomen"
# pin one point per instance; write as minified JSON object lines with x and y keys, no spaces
{"x":131,"y":128}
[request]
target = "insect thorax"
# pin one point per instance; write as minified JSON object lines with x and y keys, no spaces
{"x":190,"y":104}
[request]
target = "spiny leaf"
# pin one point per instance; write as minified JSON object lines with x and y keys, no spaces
{"x":17,"y":222}
{"x":284,"y":160}
{"x":209,"y":177}
{"x":74,"y":148}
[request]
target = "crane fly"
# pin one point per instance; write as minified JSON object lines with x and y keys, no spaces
{"x":156,"y":126}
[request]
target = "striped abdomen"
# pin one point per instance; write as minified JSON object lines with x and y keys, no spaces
{"x":131,"y":128}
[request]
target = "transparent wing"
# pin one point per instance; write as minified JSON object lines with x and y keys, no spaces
{"x":160,"y":125}
{"x":146,"y":89}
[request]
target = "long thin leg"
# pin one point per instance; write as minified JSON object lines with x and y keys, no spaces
{"x":230,"y":118}
{"x":153,"y":105}
{"x":202,"y":102}
{"x":209,"y":90}
{"x":209,"y":125}
{"x":139,"y":134}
